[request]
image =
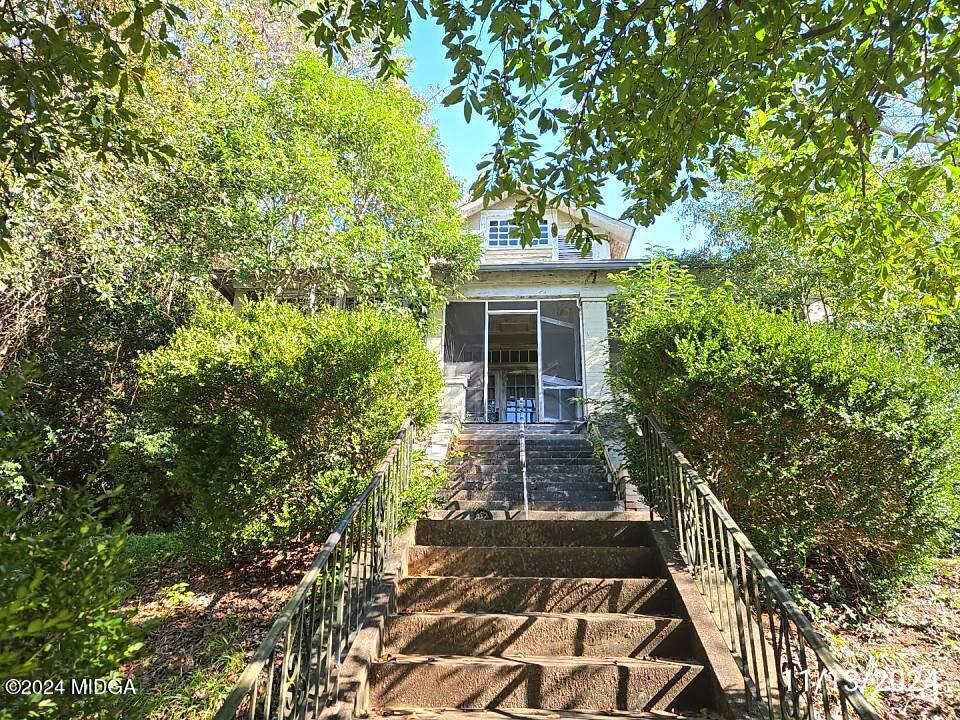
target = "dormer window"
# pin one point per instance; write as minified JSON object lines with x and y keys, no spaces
{"x":502,"y":233}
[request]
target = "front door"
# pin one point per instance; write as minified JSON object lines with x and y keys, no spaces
{"x":520,"y":397}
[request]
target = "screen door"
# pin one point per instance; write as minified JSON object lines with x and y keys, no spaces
{"x":561,"y":368}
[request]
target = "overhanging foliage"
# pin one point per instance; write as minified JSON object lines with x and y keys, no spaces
{"x":663,"y":96}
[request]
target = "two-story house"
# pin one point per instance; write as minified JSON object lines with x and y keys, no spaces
{"x":527,"y":338}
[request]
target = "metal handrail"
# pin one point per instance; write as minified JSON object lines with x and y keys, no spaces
{"x":523,"y":467}
{"x":293,"y":672}
{"x":789,"y":669}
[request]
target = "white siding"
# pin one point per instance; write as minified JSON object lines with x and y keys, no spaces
{"x":558,"y":250}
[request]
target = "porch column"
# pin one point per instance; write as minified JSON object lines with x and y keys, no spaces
{"x":434,"y":335}
{"x":596,"y":352}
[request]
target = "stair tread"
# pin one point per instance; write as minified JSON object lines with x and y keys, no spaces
{"x":519,"y":660}
{"x":604,"y":515}
{"x":537,"y":482}
{"x":533,"y":614}
{"x":542,"y":505}
{"x":534,"y":548}
{"x":526,"y":714}
{"x":545,"y":578}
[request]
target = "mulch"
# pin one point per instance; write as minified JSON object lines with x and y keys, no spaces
{"x":911,"y":653}
{"x":243,"y":602}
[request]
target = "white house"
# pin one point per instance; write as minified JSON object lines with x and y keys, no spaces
{"x":527,"y":338}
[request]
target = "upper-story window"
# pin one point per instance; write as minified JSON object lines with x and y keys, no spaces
{"x":502,"y":233}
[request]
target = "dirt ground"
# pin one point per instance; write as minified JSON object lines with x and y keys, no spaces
{"x":201,"y":629}
{"x":908,"y":659}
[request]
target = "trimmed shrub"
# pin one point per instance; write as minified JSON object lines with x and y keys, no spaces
{"x":280,"y":417}
{"x":839,"y":457}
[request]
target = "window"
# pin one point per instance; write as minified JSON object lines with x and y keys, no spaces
{"x":502,"y":357}
{"x":501,"y":232}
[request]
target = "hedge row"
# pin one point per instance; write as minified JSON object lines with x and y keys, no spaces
{"x":839,"y":457}
{"x":279,"y":417}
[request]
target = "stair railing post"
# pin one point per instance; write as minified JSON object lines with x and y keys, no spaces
{"x":523,"y":467}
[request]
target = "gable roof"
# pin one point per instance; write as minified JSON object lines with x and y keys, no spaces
{"x":620,"y":234}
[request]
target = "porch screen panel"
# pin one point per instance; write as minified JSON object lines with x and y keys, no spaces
{"x":561,"y":365}
{"x":463,"y":351}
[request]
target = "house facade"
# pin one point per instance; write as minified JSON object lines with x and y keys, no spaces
{"x":528,"y":337}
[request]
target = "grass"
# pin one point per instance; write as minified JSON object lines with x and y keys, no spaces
{"x":149,"y":551}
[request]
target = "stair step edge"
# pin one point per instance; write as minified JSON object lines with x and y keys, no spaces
{"x":520,"y":660}
{"x":549,"y":615}
{"x":399,"y":711}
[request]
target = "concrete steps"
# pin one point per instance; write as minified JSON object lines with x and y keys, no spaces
{"x":509,"y":483}
{"x":579,"y":533}
{"x":574,"y":448}
{"x":552,"y":613}
{"x":441,"y":594}
{"x":568,"y":615}
{"x":538,"y":634}
{"x":540,"y":682}
{"x":512,"y":467}
{"x":574,"y":494}
{"x":529,"y":714}
{"x":598,"y":562}
{"x":514,"y":506}
{"x":563,"y":472}
{"x":559,"y":476}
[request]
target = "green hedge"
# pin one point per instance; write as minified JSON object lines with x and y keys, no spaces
{"x":839,"y":457}
{"x":279,"y":417}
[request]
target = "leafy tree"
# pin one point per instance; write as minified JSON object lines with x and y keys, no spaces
{"x":292,"y":173}
{"x":663,"y":96}
{"x":283,"y":169}
{"x":67,"y":69}
{"x":61,"y":577}
{"x":84,"y":290}
{"x":760,"y":257}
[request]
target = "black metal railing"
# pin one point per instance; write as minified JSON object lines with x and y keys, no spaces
{"x":789,"y":670}
{"x":293,"y":674}
{"x":523,"y":468}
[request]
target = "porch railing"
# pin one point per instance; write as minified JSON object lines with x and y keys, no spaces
{"x":789,"y":670}
{"x":293,"y":673}
{"x":523,"y":468}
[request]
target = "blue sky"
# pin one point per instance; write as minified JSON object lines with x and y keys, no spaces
{"x":467,"y":143}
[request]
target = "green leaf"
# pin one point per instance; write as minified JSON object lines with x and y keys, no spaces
{"x":308,"y":18}
{"x":454,"y":97}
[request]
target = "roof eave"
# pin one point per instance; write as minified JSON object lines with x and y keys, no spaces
{"x":562,"y":266}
